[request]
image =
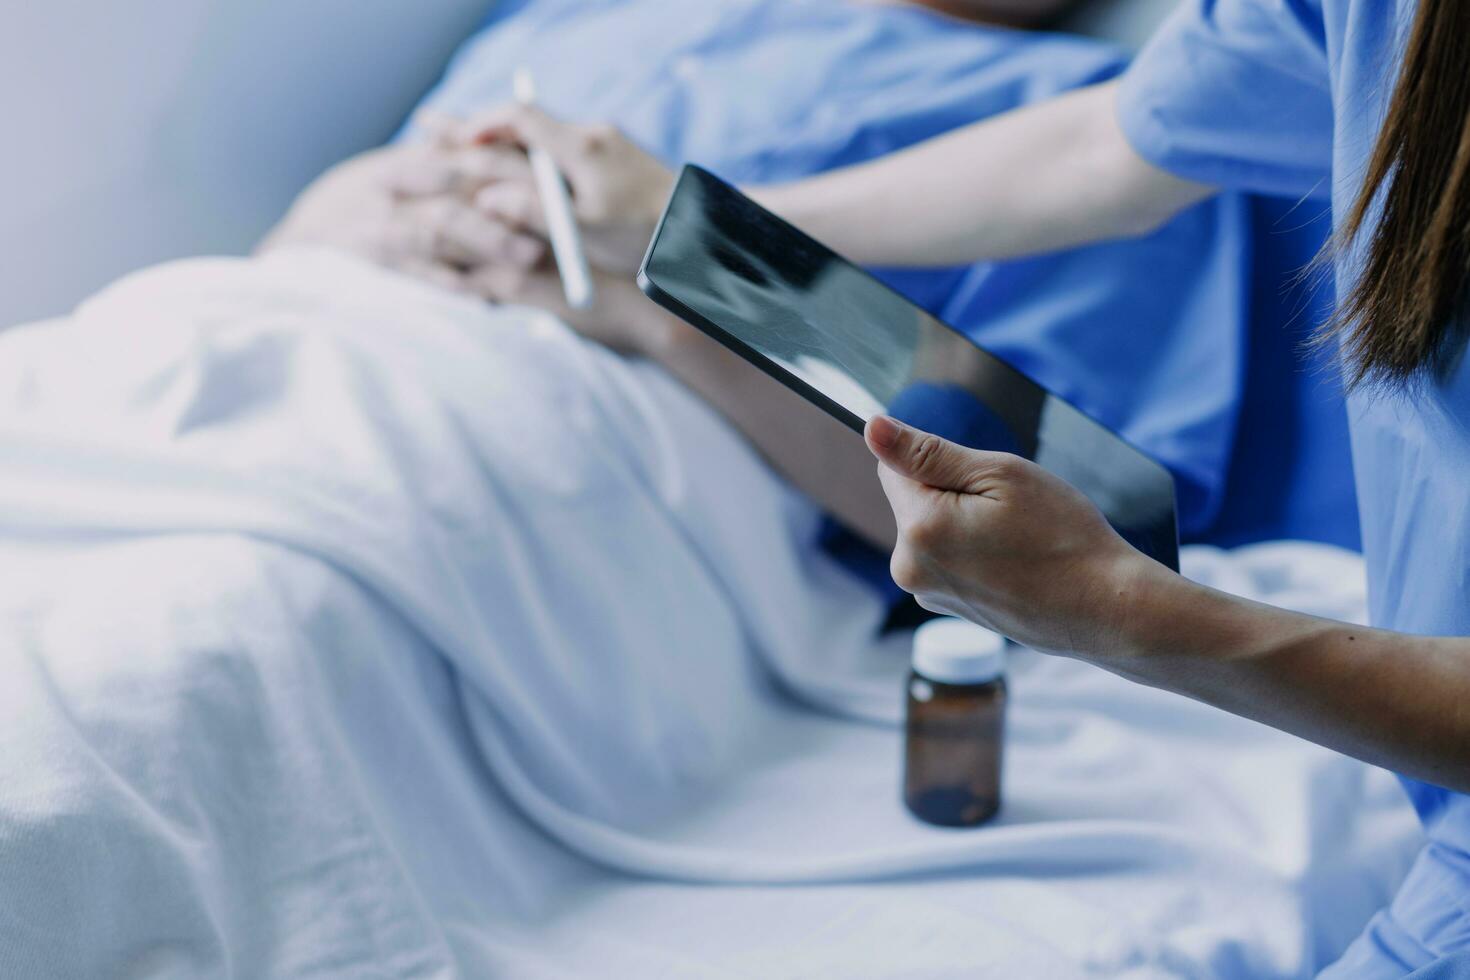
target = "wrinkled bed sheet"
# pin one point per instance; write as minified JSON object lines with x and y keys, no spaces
{"x":352,"y":628}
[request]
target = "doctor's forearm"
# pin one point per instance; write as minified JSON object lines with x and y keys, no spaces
{"x":1392,"y":699}
{"x":1048,"y":176}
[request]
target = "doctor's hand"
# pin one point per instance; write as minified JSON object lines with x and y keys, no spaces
{"x":618,"y":189}
{"x":995,"y":539}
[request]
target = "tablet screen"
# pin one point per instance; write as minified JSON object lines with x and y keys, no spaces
{"x":856,"y":348}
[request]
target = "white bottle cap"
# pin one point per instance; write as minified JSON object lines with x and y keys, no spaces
{"x":953,"y":651}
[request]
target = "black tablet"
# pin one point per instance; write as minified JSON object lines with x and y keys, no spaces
{"x":855,"y":348}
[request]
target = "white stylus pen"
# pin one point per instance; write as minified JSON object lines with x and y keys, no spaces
{"x":556,"y":205}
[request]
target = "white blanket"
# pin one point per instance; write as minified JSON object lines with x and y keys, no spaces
{"x":351,"y":628}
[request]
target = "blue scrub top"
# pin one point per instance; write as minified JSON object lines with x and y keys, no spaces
{"x":1287,"y":97}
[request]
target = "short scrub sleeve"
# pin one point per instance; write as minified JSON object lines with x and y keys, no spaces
{"x":1235,"y":94}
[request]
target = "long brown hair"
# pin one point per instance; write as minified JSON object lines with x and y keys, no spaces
{"x":1400,"y":321}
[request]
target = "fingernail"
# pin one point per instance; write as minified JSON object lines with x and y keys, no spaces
{"x":524,"y":251}
{"x":885,"y":430}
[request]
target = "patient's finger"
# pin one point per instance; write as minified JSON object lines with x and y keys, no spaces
{"x":514,"y":204}
{"x":469,"y":238}
{"x":425,"y":171}
{"x":422,"y":171}
{"x":461,"y":235}
{"x":433,"y":272}
{"x":527,"y":126}
{"x":437,"y":127}
{"x":528,"y":287}
{"x":497,"y":283}
{"x":480,"y":165}
{"x":491,"y":125}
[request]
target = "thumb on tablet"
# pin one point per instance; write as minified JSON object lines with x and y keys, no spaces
{"x":928,"y":459}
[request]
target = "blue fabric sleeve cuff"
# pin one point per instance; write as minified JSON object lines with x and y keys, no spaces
{"x":1226,"y":95}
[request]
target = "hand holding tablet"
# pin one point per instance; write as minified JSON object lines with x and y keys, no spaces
{"x":857,"y":349}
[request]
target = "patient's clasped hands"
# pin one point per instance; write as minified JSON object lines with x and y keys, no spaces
{"x":460,"y":209}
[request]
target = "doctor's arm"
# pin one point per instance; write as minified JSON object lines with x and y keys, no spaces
{"x":997,"y":540}
{"x":1044,"y":177}
{"x":1047,"y":176}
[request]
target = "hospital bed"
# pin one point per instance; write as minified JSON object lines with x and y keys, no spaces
{"x":307,"y":749}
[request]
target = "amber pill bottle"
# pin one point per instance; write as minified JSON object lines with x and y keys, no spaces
{"x":955,"y":725}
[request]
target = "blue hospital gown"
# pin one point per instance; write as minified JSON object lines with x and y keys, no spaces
{"x":1183,"y":341}
{"x":1286,"y":97}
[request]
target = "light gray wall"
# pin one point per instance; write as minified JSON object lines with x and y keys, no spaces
{"x":145,"y":130}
